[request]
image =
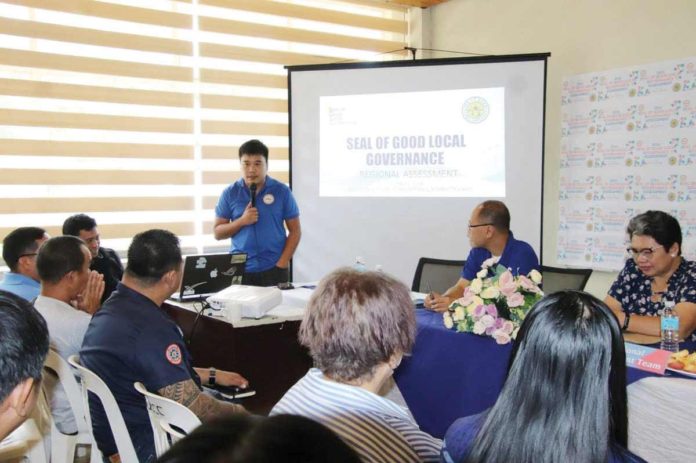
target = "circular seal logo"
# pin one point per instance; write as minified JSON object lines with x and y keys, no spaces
{"x":268,"y":199}
{"x":173,"y":354}
{"x":475,"y":109}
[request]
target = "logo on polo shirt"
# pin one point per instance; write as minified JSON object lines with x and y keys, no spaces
{"x":268,"y":199}
{"x":173,"y":354}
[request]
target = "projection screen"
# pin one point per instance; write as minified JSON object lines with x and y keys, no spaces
{"x":387,"y":160}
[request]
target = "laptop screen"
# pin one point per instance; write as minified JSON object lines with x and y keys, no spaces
{"x":209,"y":273}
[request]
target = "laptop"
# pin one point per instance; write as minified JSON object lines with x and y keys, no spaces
{"x":208,"y":274}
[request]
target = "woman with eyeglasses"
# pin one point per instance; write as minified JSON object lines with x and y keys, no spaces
{"x":657,"y":273}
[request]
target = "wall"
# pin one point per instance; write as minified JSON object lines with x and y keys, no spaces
{"x":582,"y":36}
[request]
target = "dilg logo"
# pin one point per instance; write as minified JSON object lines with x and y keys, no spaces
{"x":475,"y":109}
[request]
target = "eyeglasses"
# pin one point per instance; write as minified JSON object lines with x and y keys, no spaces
{"x":29,"y":254}
{"x":479,"y":225}
{"x":645,"y":252}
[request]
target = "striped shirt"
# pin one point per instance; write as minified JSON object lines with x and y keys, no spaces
{"x":378,"y":429}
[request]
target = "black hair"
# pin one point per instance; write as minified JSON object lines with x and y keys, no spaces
{"x":75,"y":223}
{"x":257,"y":439}
{"x":495,"y":213}
{"x":564,"y":398}
{"x":254,"y":148}
{"x":59,"y":256}
{"x":23,"y":342}
{"x":18,"y":242}
{"x":152,"y":254}
{"x":661,"y":226}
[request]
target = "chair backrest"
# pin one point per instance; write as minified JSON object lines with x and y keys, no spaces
{"x":166,"y":416}
{"x":94,"y":384}
{"x":557,"y":279}
{"x":436,"y":274}
{"x":60,"y":367}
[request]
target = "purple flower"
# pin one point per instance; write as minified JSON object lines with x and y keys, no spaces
{"x":492,"y":311}
{"x":479,"y":311}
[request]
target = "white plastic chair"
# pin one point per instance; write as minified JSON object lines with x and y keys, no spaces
{"x":63,"y":446}
{"x":165,"y":413}
{"x":94,"y":384}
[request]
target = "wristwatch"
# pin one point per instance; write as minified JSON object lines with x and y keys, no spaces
{"x":211,"y":376}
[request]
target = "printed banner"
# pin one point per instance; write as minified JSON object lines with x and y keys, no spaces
{"x":628,"y":144}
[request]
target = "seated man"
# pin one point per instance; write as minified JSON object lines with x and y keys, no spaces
{"x":23,"y":349}
{"x":63,"y":266}
{"x":489,"y":236}
{"x":132,"y":339}
{"x":19,"y":250}
{"x":104,"y":260}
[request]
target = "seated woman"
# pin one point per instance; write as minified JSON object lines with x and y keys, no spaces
{"x":357,"y":327}
{"x":656,"y":274}
{"x":257,"y":439}
{"x":564,"y":399}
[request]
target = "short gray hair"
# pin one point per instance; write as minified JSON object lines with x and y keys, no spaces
{"x":661,"y":226}
{"x":357,"y":320}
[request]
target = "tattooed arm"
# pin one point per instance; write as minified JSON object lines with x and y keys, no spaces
{"x":204,"y":406}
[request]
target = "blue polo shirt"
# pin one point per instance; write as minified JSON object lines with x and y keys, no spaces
{"x":264,"y":241}
{"x":21,"y":285}
{"x":132,"y":339}
{"x":518,"y":256}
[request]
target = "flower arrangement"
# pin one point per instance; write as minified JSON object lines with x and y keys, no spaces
{"x":495,"y":302}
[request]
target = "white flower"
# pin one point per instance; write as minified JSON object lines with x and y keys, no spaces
{"x":491,"y":292}
{"x":476,"y":285}
{"x":482,"y":273}
{"x":458,"y":313}
{"x":490,"y":262}
{"x":447,"y":319}
{"x":487,"y":321}
{"x":535,"y":276}
{"x":479,"y":327}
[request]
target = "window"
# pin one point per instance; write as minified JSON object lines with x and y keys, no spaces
{"x":132,"y":111}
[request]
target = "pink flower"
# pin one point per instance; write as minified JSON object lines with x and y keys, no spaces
{"x":467,"y":298}
{"x":507,"y":284}
{"x":515,"y":300}
{"x":501,"y":337}
{"x":479,"y":311}
{"x":508,"y":327}
{"x":528,"y":284}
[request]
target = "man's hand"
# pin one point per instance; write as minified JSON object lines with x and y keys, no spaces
{"x":437,"y":302}
{"x":230,"y":378}
{"x":89,"y":299}
{"x":250,"y":215}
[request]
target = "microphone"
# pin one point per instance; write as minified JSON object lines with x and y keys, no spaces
{"x":252,"y":188}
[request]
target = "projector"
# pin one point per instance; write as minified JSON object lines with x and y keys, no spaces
{"x":254,"y":301}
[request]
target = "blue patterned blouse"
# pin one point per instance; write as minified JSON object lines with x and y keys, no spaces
{"x":633,"y":289}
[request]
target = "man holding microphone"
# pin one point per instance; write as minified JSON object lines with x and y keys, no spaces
{"x":254,"y":212}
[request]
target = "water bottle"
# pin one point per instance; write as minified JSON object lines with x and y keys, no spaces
{"x":669,"y":328}
{"x":359,"y":264}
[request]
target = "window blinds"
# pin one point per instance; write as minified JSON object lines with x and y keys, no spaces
{"x":132,"y":111}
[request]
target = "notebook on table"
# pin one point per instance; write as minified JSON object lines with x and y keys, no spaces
{"x":208,"y":274}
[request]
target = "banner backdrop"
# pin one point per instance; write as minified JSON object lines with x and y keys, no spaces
{"x":628,"y":144}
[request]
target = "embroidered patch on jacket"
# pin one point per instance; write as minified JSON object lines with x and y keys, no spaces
{"x":173,"y":354}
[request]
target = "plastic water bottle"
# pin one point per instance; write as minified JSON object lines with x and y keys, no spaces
{"x":360,"y":264}
{"x":669,"y":328}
